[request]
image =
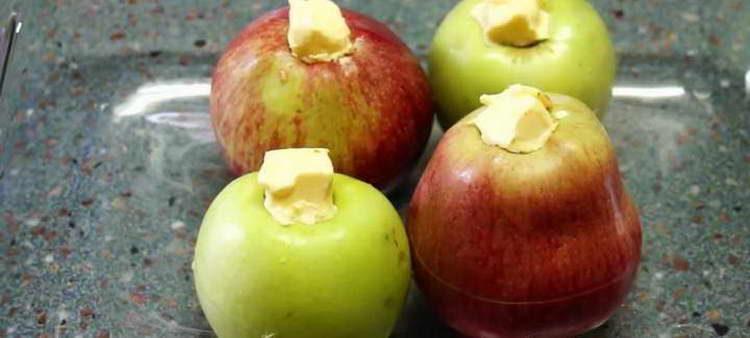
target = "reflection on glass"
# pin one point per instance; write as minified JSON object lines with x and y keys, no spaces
{"x":151,"y":94}
{"x":661,"y":92}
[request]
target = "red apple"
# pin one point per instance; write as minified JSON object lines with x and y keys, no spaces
{"x":371,"y":108}
{"x":516,"y":245}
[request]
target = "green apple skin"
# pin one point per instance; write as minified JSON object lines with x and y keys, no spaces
{"x":345,"y":277}
{"x":577,"y":60}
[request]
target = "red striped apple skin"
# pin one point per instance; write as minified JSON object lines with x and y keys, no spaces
{"x":372,"y":108}
{"x":512,"y":245}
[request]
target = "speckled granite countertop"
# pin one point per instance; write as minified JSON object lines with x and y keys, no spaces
{"x":107,"y":162}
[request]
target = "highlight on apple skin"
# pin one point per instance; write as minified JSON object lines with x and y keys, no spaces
{"x":546,"y":243}
{"x":576,"y":59}
{"x":371,"y":107}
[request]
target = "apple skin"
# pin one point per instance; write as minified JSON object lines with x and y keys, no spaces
{"x":577,"y":60}
{"x":345,"y":277}
{"x":372,"y":108}
{"x":510,"y":245}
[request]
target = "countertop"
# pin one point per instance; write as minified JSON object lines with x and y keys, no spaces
{"x":107,"y":162}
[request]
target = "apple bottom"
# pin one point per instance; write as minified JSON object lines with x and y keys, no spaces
{"x":564,"y":317}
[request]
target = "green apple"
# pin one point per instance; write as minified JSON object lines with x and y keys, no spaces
{"x":577,"y":59}
{"x":344,"y":277}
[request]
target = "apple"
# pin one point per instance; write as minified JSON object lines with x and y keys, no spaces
{"x":577,"y":59}
{"x":344,"y":277}
{"x":372,"y":108}
{"x":516,"y":245}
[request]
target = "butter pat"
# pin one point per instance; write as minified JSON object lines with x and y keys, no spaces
{"x":517,"y":120}
{"x":317,"y":31}
{"x":516,"y":23}
{"x":298,"y":185}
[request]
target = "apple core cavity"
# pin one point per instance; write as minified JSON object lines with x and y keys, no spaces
{"x":517,"y":120}
{"x":517,"y":23}
{"x":298,"y":185}
{"x":317,"y":31}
